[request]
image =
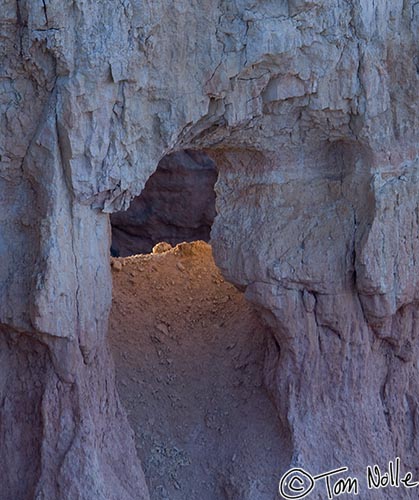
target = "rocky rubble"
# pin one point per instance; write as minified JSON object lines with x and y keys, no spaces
{"x":189,"y":355}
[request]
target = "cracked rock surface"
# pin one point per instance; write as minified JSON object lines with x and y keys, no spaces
{"x":310,"y":111}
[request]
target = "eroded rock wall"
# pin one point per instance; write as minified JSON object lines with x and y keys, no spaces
{"x":343,"y":381}
{"x":309,"y":109}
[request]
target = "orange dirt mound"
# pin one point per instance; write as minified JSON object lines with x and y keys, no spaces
{"x":189,"y":357}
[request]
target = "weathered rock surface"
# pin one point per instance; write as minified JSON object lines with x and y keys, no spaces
{"x":177,"y":204}
{"x":310,"y":111}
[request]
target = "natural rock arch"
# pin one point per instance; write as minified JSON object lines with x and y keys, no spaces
{"x":95,"y":94}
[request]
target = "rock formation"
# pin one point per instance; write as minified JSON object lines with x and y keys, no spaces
{"x":310,"y":111}
{"x":177,"y":204}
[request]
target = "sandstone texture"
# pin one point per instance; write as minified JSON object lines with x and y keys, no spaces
{"x":177,"y":204}
{"x":309,"y":109}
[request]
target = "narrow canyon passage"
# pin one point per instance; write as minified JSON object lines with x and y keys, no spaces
{"x":189,"y":355}
{"x":189,"y":349}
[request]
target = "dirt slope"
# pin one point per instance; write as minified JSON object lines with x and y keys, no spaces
{"x":189,"y":352}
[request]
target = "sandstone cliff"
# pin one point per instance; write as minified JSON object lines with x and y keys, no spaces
{"x":309,"y":109}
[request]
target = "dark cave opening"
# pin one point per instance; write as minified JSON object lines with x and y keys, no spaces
{"x":177,"y":204}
